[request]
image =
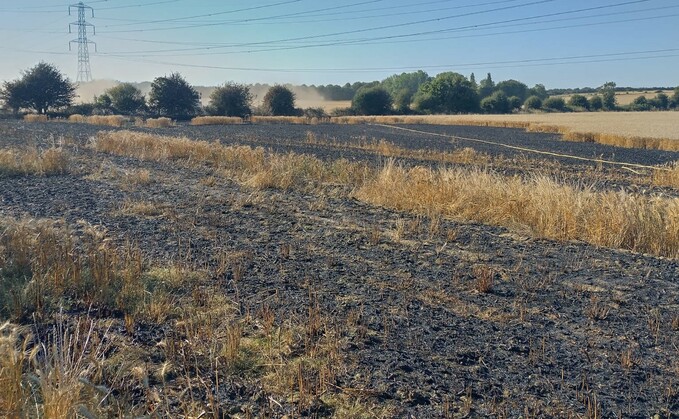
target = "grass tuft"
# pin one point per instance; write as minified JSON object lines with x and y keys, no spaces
{"x":32,"y":161}
{"x":159,"y":123}
{"x":216,"y":120}
{"x":106,"y":120}
{"x":35,"y":118}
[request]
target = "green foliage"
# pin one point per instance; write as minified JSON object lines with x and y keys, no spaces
{"x":596,"y":103}
{"x":279,"y":101}
{"x":539,"y":91}
{"x":486,"y":87}
{"x":372,"y":101}
{"x":640,"y":104}
{"x":578,"y":102}
{"x":533,"y":102}
{"x":496,"y":103}
{"x":513,"y":88}
{"x":41,"y":88}
{"x":125,"y":99}
{"x":608,"y":96}
{"x":515,"y":102}
{"x":232,"y":99}
{"x":402,"y":87}
{"x":556,"y":104}
{"x":447,"y":93}
{"x":674,"y":101}
{"x":661,"y":102}
{"x":173,"y":97}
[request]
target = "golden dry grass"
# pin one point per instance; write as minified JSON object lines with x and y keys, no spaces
{"x":33,"y":162}
{"x":293,"y":120}
{"x":159,"y":123}
{"x":35,"y":118}
{"x":216,"y":120}
{"x":651,"y":130}
{"x":667,"y":177}
{"x":548,"y":209}
{"x":106,"y":120}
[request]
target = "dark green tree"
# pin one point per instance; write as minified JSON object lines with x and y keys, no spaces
{"x":232,"y":99}
{"x":640,"y":103}
{"x":555,"y":104}
{"x":538,"y":90}
{"x":578,"y":102}
{"x":173,"y":97}
{"x":125,"y":99}
{"x":514,"y":103}
{"x":40,"y":88}
{"x":496,"y":103}
{"x":674,"y":100}
{"x":596,"y":103}
{"x":372,"y":101}
{"x":661,"y":102}
{"x":486,"y":87}
{"x":513,"y":88}
{"x":402,"y":87}
{"x":447,"y":93}
{"x":279,"y":101}
{"x":533,"y":102}
{"x":607,"y":92}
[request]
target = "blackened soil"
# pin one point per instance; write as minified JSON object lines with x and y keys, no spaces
{"x":547,"y":340}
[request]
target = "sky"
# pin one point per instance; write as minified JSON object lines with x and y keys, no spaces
{"x":558,"y":43}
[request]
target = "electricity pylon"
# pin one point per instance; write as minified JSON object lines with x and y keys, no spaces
{"x":84,"y":71}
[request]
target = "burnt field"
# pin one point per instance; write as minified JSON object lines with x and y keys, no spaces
{"x":281,"y":282}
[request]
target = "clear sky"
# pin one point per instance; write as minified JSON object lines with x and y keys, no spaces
{"x":559,"y":43}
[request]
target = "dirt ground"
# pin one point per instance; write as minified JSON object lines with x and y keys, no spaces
{"x":567,"y":329}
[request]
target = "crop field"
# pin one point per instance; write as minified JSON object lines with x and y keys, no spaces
{"x":352,"y":270}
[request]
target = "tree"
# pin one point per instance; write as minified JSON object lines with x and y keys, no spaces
{"x":554,"y":104}
{"x":578,"y":102}
{"x":232,"y":99}
{"x":41,"y":88}
{"x":447,"y":93}
{"x":495,"y":103}
{"x":674,"y":101}
{"x":533,"y":102}
{"x":513,"y":88}
{"x":514,"y":103}
{"x":486,"y":87}
{"x":538,"y":90}
{"x":372,"y":101}
{"x":608,"y":96}
{"x":640,"y":104}
{"x":280,"y":101}
{"x":172,"y":96}
{"x":402,"y":87}
{"x":596,"y":103}
{"x":661,"y":102}
{"x":124,"y":98}
{"x":472,"y":80}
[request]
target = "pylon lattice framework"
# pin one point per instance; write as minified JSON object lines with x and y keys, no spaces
{"x":84,"y":70}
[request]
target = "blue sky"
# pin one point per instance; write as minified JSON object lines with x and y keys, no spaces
{"x":559,"y":43}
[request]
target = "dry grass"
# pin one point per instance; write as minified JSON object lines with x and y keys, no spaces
{"x":35,"y":118}
{"x":651,"y":130}
{"x":216,"y":120}
{"x":293,"y":120}
{"x":667,"y":177}
{"x":34,"y":162}
{"x":159,"y":123}
{"x":549,"y":209}
{"x":106,"y":120}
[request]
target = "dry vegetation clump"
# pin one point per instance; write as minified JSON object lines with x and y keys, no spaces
{"x":35,"y":118}
{"x":106,"y":120}
{"x":294,"y":120}
{"x":216,"y":120}
{"x":561,"y":212}
{"x":669,"y":177}
{"x":254,"y":167}
{"x":32,"y":161}
{"x":159,"y":123}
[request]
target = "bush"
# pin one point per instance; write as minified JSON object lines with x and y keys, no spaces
{"x":173,"y":97}
{"x":578,"y":102}
{"x":514,"y":103}
{"x":372,"y":101}
{"x":596,"y":103}
{"x":533,"y":102}
{"x":279,"y":101}
{"x":315,"y":113}
{"x":640,"y":104}
{"x":495,"y":103}
{"x":232,"y":99}
{"x":661,"y":102}
{"x":556,"y":104}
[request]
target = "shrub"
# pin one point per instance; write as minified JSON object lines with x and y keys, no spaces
{"x":661,"y":102}
{"x":554,"y":104}
{"x":173,"y":97}
{"x":495,"y":103}
{"x":232,"y":99}
{"x":640,"y":104}
{"x":578,"y":102}
{"x":596,"y":103}
{"x":372,"y":101}
{"x":514,"y":103}
{"x":315,"y":113}
{"x":279,"y":101}
{"x":533,"y":102}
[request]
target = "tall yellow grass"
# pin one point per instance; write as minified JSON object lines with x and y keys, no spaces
{"x":33,"y":162}
{"x":216,"y":120}
{"x":159,"y":122}
{"x":548,"y":209}
{"x":667,"y":177}
{"x":35,"y":118}
{"x":106,"y":120}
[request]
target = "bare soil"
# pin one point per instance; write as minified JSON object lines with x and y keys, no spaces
{"x":549,"y":339}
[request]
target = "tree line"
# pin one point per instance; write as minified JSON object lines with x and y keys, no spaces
{"x":44,"y":89}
